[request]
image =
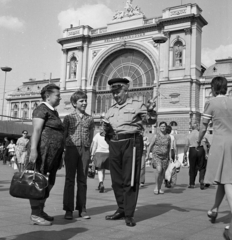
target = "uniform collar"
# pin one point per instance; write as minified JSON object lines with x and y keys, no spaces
{"x":49,"y":106}
{"x":128,"y":101}
{"x":220,"y":95}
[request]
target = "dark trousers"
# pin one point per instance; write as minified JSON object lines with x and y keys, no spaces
{"x":197,"y":163}
{"x":76,"y":165}
{"x":6,"y":156}
{"x":120,"y":157}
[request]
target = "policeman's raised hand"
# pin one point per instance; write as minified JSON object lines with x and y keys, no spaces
{"x":33,"y":155}
{"x":151,"y":104}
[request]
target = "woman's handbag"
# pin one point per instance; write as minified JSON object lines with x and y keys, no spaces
{"x":29,"y":185}
{"x":91,"y":170}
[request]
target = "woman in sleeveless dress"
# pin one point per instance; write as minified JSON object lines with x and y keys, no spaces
{"x":160,"y":146}
{"x":219,"y":166}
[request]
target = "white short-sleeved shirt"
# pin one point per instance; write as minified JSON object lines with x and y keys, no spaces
{"x":102,"y":145}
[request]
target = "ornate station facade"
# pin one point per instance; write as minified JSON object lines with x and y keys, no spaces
{"x":125,"y":48}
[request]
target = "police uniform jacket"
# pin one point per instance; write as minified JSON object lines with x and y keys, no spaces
{"x":129,"y":117}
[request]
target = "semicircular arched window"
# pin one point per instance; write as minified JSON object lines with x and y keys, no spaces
{"x":126,"y":63}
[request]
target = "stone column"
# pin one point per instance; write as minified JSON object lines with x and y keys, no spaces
{"x":80,"y":63}
{"x":188,"y":52}
{"x":30,"y":110}
{"x":63,"y":70}
{"x":20,"y":110}
{"x":166,"y":56}
{"x":85,"y":65}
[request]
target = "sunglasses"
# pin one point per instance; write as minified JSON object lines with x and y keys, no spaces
{"x":25,"y":133}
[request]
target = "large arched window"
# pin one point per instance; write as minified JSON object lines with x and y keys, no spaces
{"x":25,"y":110}
{"x":126,"y":63}
{"x":178,"y":54}
{"x":15,"y":110}
{"x":73,"y":68}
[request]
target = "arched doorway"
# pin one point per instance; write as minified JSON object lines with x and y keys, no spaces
{"x":124,"y":63}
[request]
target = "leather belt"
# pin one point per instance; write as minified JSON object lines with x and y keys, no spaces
{"x":124,"y":136}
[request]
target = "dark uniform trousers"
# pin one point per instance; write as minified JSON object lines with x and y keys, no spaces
{"x":120,"y":156}
{"x":197,"y":163}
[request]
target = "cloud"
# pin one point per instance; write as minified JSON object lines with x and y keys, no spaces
{"x":210,"y":55}
{"x":96,"y":15}
{"x":4,"y":1}
{"x":11,"y":23}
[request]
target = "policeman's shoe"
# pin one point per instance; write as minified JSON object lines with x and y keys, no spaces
{"x":68,"y":215}
{"x":115,"y":216}
{"x":130,"y":222}
{"x":101,"y":188}
{"x":191,"y":186}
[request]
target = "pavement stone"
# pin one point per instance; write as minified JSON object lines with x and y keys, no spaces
{"x":179,"y":214}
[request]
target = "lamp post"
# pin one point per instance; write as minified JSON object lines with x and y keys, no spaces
{"x":158,"y":39}
{"x":4,"y":69}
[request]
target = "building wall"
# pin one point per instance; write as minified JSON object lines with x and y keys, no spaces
{"x":84,"y":50}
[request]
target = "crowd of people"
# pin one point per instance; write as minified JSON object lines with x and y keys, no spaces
{"x":121,"y":147}
{"x":14,"y":154}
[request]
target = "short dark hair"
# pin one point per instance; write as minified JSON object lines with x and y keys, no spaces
{"x":163,"y":123}
{"x":24,"y":131}
{"x":76,"y":96}
{"x":168,"y":129}
{"x":219,"y":85}
{"x":47,"y":90}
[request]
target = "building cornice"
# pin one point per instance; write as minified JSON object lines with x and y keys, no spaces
{"x":112,"y":33}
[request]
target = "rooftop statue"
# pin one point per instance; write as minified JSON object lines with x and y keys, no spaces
{"x":129,"y":11}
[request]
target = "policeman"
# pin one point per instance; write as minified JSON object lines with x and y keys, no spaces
{"x":123,"y":128}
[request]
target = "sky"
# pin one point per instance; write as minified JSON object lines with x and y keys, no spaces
{"x":29,"y":30}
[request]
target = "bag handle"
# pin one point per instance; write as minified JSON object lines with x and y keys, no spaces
{"x":26,"y":170}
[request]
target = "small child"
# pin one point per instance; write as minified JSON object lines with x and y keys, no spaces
{"x":78,"y":134}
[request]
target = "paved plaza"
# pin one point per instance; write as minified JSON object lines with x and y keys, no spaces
{"x":178,"y":214}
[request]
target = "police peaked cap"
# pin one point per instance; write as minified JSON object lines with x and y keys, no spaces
{"x":116,"y":83}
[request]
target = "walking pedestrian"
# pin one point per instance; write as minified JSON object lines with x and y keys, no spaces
{"x":218,"y":171}
{"x":79,"y":128}
{"x":196,"y":157}
{"x":11,"y":151}
{"x":143,"y":162}
{"x":161,"y":150}
{"x":100,"y":157}
{"x":5,"y":151}
{"x":21,"y":150}
{"x":123,"y":127}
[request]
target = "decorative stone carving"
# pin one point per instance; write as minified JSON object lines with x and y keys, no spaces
{"x":94,"y":54}
{"x":123,"y":43}
{"x":166,"y":34}
{"x":129,"y":11}
{"x":187,"y":31}
{"x":174,"y":98}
